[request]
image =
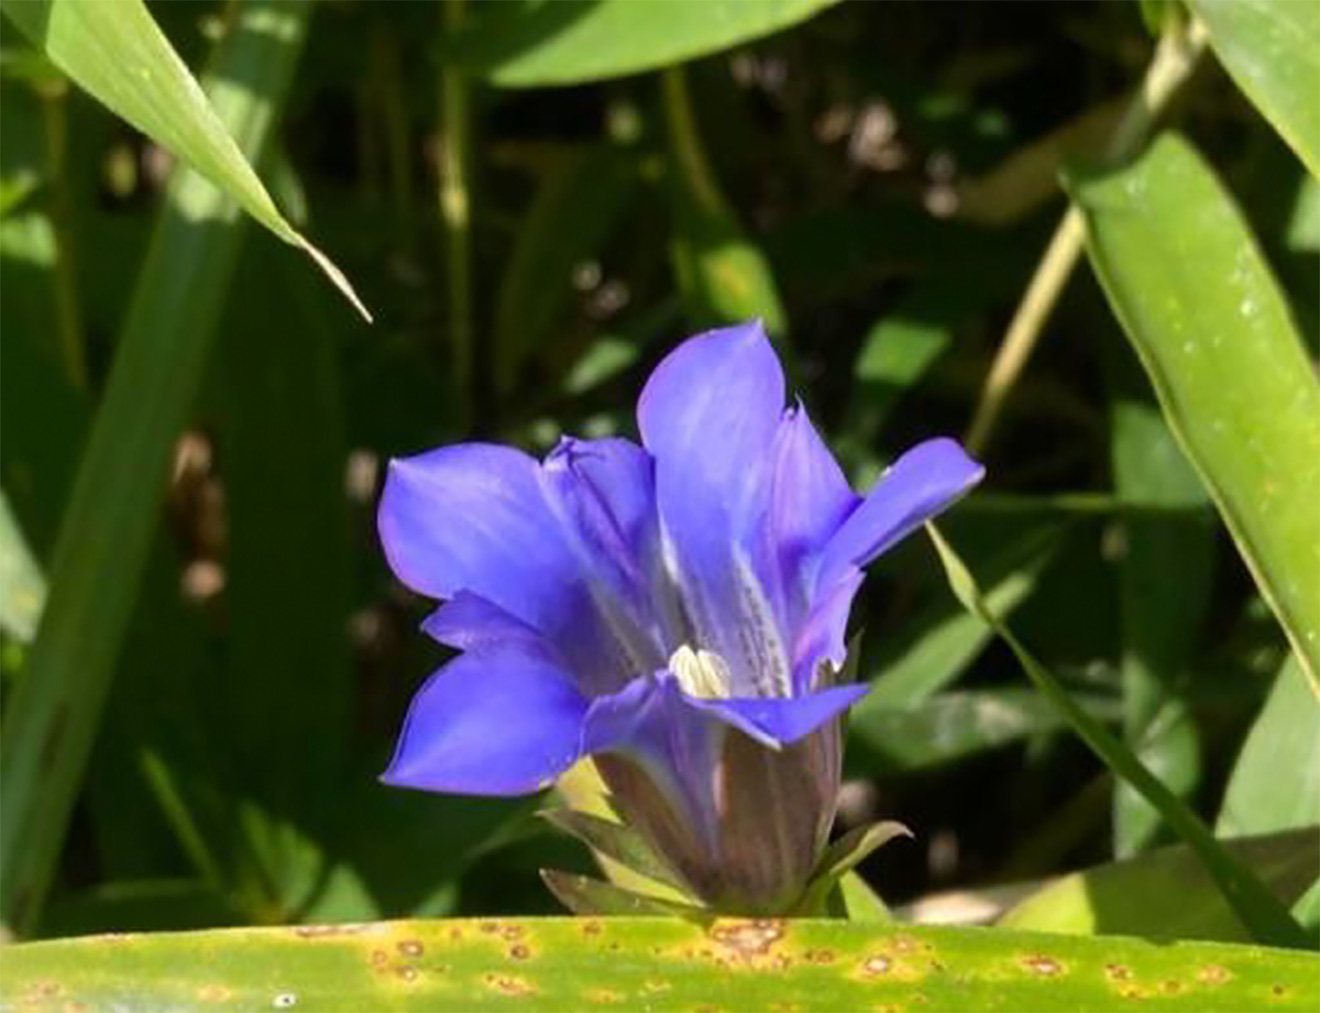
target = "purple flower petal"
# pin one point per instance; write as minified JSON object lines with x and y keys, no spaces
{"x":823,"y":636}
{"x":473,"y":517}
{"x":915,"y":488}
{"x":809,"y":500}
{"x":708,"y":415}
{"x":781,"y":721}
{"x":468,"y":622}
{"x":490,"y":723}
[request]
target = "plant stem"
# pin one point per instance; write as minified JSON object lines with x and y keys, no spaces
{"x":68,"y":323}
{"x":1175,"y":58}
{"x":455,"y":210}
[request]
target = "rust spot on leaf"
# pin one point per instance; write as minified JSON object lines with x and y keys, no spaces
{"x":490,"y":928}
{"x":1213,"y":974}
{"x":1042,"y":965}
{"x":508,"y":984}
{"x":513,"y":932}
{"x":879,"y":964}
{"x":602,"y":996}
{"x":1117,"y":972}
{"x":591,"y":928}
{"x":213,"y":993}
{"x":379,"y":958}
{"x":520,"y":951}
{"x":819,"y":956}
{"x":1279,"y":990}
{"x":747,"y":940}
{"x":406,"y":972}
{"x":411,"y":948}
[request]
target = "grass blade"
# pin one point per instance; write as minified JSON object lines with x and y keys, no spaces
{"x":117,"y":54}
{"x":106,"y":531}
{"x":1260,"y":910}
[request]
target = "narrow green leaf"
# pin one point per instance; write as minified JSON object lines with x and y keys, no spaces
{"x":1161,"y":617}
{"x":531,"y":43}
{"x":22,"y":584}
{"x":1259,"y":910}
{"x":117,"y":54}
{"x":107,"y":527}
{"x":937,"y":646}
{"x":651,"y":963}
{"x":1271,"y":48}
{"x":1276,"y":781}
{"x":1196,"y":298}
{"x":1167,"y":893}
{"x":950,"y":726}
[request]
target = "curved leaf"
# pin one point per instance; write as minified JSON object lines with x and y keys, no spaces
{"x":1271,"y":48}
{"x":116,"y":54}
{"x":1198,"y":302}
{"x":652,"y":963}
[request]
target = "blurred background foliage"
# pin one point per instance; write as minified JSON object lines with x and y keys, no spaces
{"x":200,"y":421}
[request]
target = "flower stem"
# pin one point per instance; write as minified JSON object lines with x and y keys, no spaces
{"x":68,"y":323}
{"x":1175,"y":58}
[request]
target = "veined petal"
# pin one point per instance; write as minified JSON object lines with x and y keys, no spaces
{"x":781,"y":721}
{"x":708,"y":415}
{"x":823,"y":637}
{"x":809,"y":501}
{"x":497,"y":722}
{"x":916,"y":487}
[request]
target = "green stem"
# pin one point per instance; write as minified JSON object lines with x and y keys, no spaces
{"x":68,"y":323}
{"x":1175,"y":58}
{"x":686,"y":143}
{"x":455,"y":207}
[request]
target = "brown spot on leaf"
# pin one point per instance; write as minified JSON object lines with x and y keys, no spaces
{"x":508,"y":984}
{"x":602,"y":995}
{"x":591,"y":928}
{"x":213,"y":993}
{"x":513,"y":932}
{"x":1279,"y":990}
{"x":819,"y":956}
{"x":520,"y":951}
{"x":1117,"y":972}
{"x":879,"y":964}
{"x":406,"y":972}
{"x":411,"y":948}
{"x":490,"y":928}
{"x":1043,"y":965}
{"x":747,"y":940}
{"x":1213,"y":974}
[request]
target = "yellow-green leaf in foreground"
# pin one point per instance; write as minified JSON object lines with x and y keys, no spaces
{"x":117,"y":54}
{"x":1198,"y":302}
{"x":1271,"y":48}
{"x":649,"y":963}
{"x":1167,"y":892}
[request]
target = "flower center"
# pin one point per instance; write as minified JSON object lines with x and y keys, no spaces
{"x":700,"y":673}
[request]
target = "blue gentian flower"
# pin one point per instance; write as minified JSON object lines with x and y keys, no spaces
{"x":676,"y":610}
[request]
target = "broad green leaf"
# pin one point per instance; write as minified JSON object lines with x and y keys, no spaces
{"x":1276,"y":781}
{"x":52,"y":718}
{"x":1271,"y":48}
{"x":1161,"y":618}
{"x":1167,"y":893}
{"x":1252,"y":901}
{"x":530,"y":43}
{"x":952,"y":725}
{"x":117,"y":54}
{"x":1197,"y":300}
{"x":650,"y":963}
{"x":22,"y":584}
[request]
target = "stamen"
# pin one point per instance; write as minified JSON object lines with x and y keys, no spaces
{"x":700,"y":673}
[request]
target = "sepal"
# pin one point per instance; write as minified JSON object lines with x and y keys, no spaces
{"x":583,"y":895}
{"x":841,"y":858}
{"x":618,"y":843}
